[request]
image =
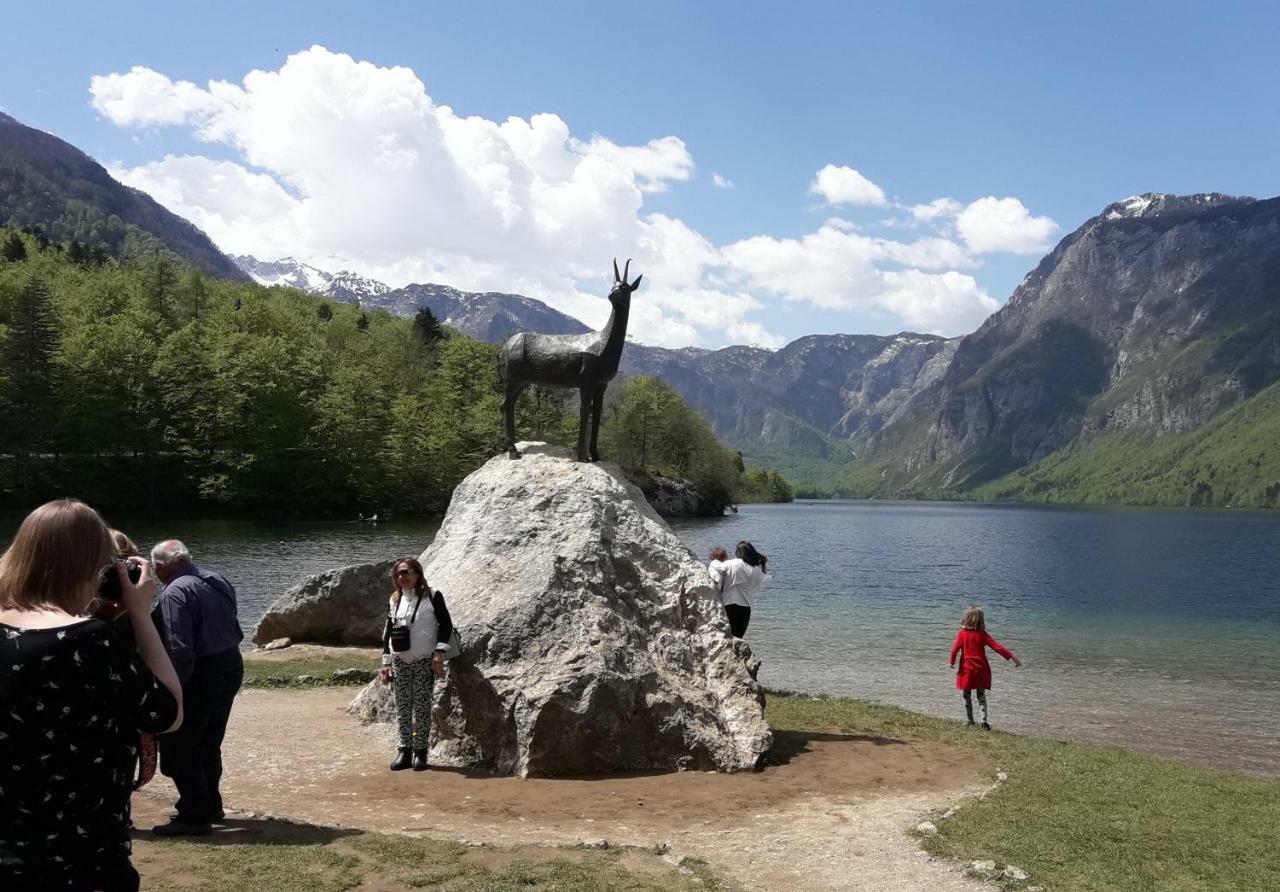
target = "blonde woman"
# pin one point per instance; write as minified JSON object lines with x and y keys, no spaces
{"x":74,"y":698}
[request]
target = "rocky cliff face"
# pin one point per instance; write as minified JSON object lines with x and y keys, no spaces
{"x":814,"y":393}
{"x":1156,"y":314}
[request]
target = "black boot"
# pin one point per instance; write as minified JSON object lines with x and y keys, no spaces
{"x":419,"y":760}
{"x":402,"y":760}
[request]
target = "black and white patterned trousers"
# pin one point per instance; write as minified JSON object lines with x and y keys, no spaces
{"x":413,"y":685}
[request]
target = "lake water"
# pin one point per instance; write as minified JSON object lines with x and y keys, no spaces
{"x":1156,"y":630}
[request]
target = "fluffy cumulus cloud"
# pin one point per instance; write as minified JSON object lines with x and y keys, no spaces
{"x":844,"y":185}
{"x":1003,"y":224}
{"x":839,"y":269}
{"x":347,"y":164}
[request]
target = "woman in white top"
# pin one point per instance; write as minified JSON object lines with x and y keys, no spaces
{"x":412,"y":661}
{"x":738,"y":580}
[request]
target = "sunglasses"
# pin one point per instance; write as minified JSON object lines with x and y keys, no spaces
{"x":405,"y":572}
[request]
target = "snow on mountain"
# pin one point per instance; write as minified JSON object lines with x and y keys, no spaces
{"x":291,"y":273}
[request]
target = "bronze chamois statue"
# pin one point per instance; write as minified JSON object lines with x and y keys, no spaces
{"x":586,"y":361}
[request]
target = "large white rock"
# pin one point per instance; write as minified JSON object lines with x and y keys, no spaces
{"x":591,"y":639}
{"x":347,"y":605}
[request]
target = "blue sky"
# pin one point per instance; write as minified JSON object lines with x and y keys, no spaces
{"x":1046,"y":112}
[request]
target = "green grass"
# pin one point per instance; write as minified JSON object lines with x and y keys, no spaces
{"x":1084,"y":817}
{"x":332,"y":862}
{"x":304,"y":673}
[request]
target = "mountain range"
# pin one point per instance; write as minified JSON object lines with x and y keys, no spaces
{"x":49,"y":183}
{"x":1139,"y":361}
{"x":1149,"y":321}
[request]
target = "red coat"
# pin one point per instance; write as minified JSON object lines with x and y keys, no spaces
{"x":975,"y":671}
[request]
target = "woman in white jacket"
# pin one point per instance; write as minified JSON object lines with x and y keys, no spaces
{"x":414,"y":643}
{"x":737,"y":581}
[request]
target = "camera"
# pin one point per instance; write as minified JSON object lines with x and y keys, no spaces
{"x":109,"y":586}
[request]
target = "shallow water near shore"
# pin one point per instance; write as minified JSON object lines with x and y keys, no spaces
{"x":1151,"y":629}
{"x":1156,"y":630}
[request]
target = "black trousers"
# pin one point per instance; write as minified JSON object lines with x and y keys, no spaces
{"x":739,"y":616}
{"x":192,"y":755}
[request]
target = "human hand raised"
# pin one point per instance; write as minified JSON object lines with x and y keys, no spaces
{"x":137,"y":596}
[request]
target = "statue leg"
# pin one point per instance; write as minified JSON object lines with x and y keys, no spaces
{"x":597,"y":404}
{"x":511,"y":394}
{"x":584,"y":419}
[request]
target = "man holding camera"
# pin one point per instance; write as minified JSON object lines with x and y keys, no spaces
{"x":196,"y":614}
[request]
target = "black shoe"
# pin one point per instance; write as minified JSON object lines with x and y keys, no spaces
{"x":986,"y":727}
{"x":419,"y":760}
{"x":402,"y":760}
{"x":182,"y":828}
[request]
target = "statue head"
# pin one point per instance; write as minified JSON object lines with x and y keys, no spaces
{"x":621,"y":293}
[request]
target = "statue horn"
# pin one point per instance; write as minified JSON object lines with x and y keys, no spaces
{"x":616,"y":277}
{"x":625,"y":270}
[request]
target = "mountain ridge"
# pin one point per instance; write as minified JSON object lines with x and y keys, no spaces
{"x":47,"y":182}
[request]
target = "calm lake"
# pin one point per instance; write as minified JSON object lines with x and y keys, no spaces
{"x":1156,"y":630}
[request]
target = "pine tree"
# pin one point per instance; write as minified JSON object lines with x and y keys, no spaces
{"x":15,"y":249}
{"x":26,"y":364}
{"x":427,"y":326}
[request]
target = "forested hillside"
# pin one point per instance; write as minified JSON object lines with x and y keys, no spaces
{"x":50,"y":185}
{"x":148,"y":384}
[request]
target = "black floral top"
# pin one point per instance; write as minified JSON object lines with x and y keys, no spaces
{"x":73,"y":701}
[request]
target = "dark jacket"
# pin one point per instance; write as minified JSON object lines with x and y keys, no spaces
{"x":197,"y":618}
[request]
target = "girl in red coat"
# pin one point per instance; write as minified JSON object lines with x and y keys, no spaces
{"x":974,"y":673}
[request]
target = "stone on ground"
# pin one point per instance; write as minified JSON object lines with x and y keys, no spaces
{"x":591,"y":639}
{"x":347,"y":605}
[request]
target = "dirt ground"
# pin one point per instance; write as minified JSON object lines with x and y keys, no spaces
{"x":831,"y":815}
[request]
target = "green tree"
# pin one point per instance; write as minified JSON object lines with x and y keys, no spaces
{"x":15,"y":249}
{"x":30,"y":388}
{"x":426,"y":326}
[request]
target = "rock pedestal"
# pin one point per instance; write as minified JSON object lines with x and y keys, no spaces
{"x":592,"y":642}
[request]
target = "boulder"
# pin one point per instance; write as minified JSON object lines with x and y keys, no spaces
{"x":343,"y":606}
{"x":591,"y":639}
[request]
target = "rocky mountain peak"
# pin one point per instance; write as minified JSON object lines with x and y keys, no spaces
{"x":1154,"y":204}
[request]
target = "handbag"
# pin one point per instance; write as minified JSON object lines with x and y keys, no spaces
{"x":455,"y":645}
{"x":400,"y":638}
{"x":147,"y":757}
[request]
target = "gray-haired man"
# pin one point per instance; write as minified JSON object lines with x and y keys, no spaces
{"x":196,"y":614}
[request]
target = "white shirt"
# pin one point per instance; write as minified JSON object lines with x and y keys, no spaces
{"x":736,"y":580}
{"x":423,"y":631}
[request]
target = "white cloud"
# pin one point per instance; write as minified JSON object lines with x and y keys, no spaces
{"x":939,"y":208}
{"x":720,"y":181}
{"x":844,"y":185}
{"x":840,"y":270}
{"x":346,"y":164}
{"x":995,"y":224}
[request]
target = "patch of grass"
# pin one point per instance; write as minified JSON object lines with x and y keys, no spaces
{"x":1076,"y":816}
{"x":311,"y":672}
{"x":388,"y":862}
